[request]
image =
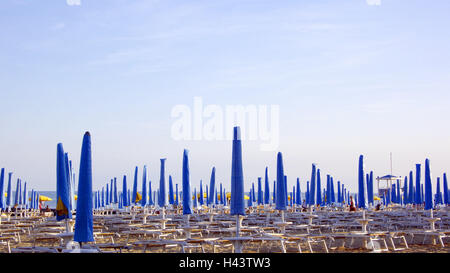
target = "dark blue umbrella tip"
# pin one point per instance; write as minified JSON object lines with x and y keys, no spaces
{"x":237,"y":133}
{"x":87,"y":133}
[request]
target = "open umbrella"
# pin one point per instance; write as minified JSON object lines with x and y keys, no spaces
{"x":84,"y":231}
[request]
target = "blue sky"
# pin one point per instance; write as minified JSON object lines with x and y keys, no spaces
{"x":350,"y":79}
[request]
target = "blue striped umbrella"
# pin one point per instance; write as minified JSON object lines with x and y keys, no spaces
{"x":361,"y":197}
{"x":84,"y":228}
{"x":281,"y":186}
{"x":428,"y":189}
{"x":237,"y":177}
{"x":312,"y":190}
{"x":446,"y":197}
{"x":171,"y":201}
{"x":162,"y":185}
{"x":212,"y":187}
{"x":135,"y":186}
{"x":186,"y":185}
{"x":144,"y":187}
{"x":266,"y":189}
{"x":124,"y":192}
{"x":62,"y":187}
{"x":2,"y":194}
{"x":418,"y":197}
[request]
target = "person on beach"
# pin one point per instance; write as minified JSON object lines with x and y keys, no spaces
{"x":352,"y":205}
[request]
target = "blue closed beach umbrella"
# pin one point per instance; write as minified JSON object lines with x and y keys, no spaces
{"x":328,"y":190}
{"x":25,"y":195}
{"x":144,"y":187}
{"x":319,"y":189}
{"x":150,"y":198}
{"x":212,"y":186}
{"x":307,"y":193}
{"x":103,"y":197}
{"x":285,"y":189}
{"x":8,"y":192}
{"x":62,"y":186}
{"x":399,"y":195}
{"x":124,"y":192}
{"x":16,"y":196}
{"x":200,"y":200}
{"x":370,"y":189}
{"x":411,"y":188}
{"x":260,"y":192}
{"x":361,"y":197}
{"x":186,"y":185}
{"x":312,"y":192}
{"x":176,"y":194}
{"x":418,"y":197}
{"x":281,"y":190}
{"x":266,"y":189}
{"x":446,"y":197}
{"x":2,"y":194}
{"x":171,"y":201}
{"x":274,"y":192}
{"x":298,"y":197}
{"x":428,"y":188}
{"x":339,"y":197}
{"x":405,"y":192}
{"x":135,"y":185}
{"x":162,"y":185}
{"x":195,"y":198}
{"x":438,"y":192}
{"x":237,"y":177}
{"x":115,"y":199}
{"x":84,"y":226}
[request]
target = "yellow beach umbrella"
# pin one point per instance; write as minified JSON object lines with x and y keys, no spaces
{"x":246,"y":197}
{"x":138,"y":197}
{"x":43,"y":198}
{"x":376,"y":198}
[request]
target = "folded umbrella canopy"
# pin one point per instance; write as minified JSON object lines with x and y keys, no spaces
{"x":16,"y":196}
{"x":312,"y":190}
{"x":200,"y":201}
{"x":124,"y":192}
{"x":418,"y":197}
{"x":25,"y":195}
{"x":319,"y":189}
{"x":281,"y":201}
{"x":115,"y":199}
{"x":2,"y":194}
{"x":195,"y":199}
{"x":144,"y":187}
{"x":176,"y":194}
{"x":186,"y":185}
{"x":84,"y":231}
{"x":150,"y":198}
{"x":171,"y":200}
{"x":361,"y":190}
{"x":446,"y":197}
{"x":8,"y":191}
{"x":405,"y":191}
{"x":107,"y":194}
{"x":162,"y":185}
{"x":411,"y":188}
{"x":428,"y":188}
{"x":62,"y":186}
{"x":438,"y":192}
{"x":298,"y":197}
{"x":212,"y":187}
{"x":266,"y":189}
{"x":135,"y":185}
{"x":260,"y":192}
{"x":237,"y":177}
